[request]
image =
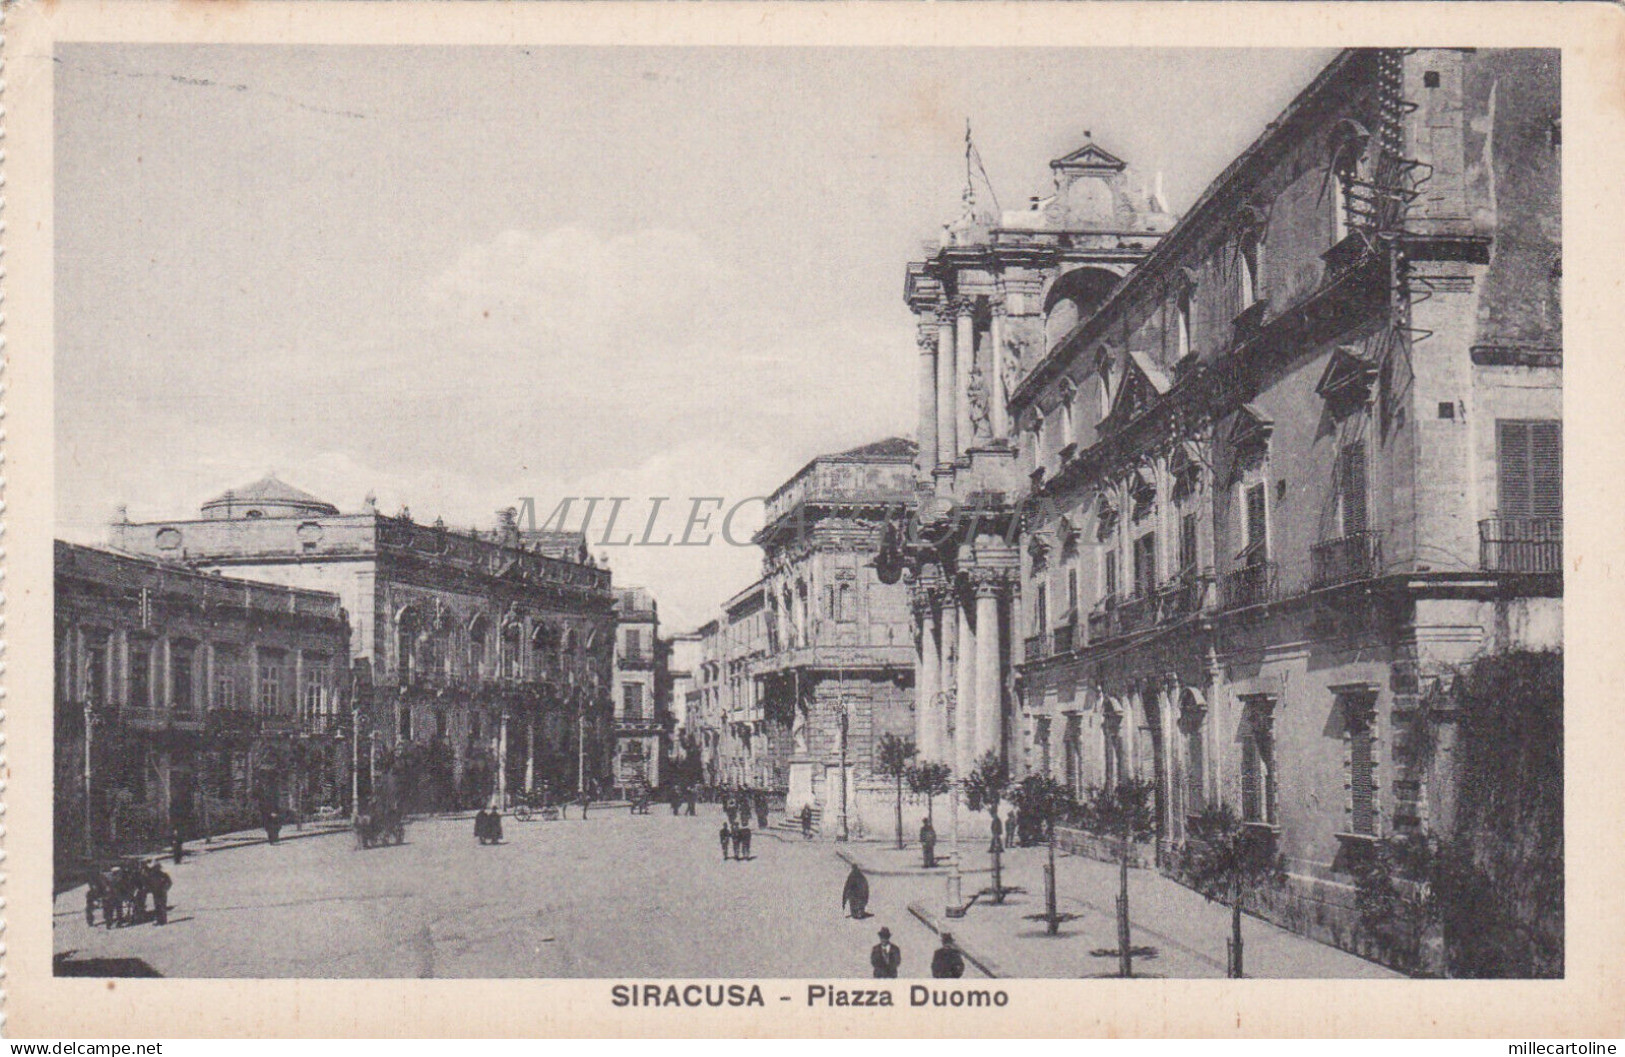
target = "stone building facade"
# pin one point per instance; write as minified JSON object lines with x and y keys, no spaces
{"x":839,"y":663}
{"x":187,"y":699}
{"x":487,"y":662}
{"x":641,"y":709}
{"x":1302,"y":463}
{"x":990,"y":304}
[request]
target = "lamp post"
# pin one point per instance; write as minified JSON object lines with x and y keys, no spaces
{"x":954,"y":901}
{"x":843,"y":717}
{"x":90,"y":811}
{"x":355,"y":761}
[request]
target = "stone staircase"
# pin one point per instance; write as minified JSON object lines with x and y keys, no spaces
{"x":791,"y":822}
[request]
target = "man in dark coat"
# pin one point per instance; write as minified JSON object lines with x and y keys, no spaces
{"x":947,"y":963}
{"x":855,"y":894}
{"x":761,"y":810}
{"x":928,"y":843}
{"x":692,"y":797}
{"x":725,"y":837}
{"x":158,"y":883}
{"x":996,"y":844}
{"x":886,"y":957}
{"x":743,"y":851}
{"x":806,"y":822}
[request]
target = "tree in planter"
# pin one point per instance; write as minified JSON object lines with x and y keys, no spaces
{"x":986,"y":786}
{"x":894,"y":758}
{"x":930,"y":780}
{"x":1228,"y":861}
{"x":1125,"y":813}
{"x":1046,"y":801}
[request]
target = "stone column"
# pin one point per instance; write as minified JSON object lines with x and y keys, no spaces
{"x":965,"y":358}
{"x":927,"y":668}
{"x":927,"y":340}
{"x":989,"y":688}
{"x":947,"y":435}
{"x":998,"y":415}
{"x":965,"y":728}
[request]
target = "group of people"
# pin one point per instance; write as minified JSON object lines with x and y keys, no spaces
{"x":740,"y":804}
{"x":121,"y":894}
{"x":886,"y":958}
{"x":735,"y":838}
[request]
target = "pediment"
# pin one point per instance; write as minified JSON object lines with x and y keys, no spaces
{"x":1348,"y":376}
{"x":1142,"y":384}
{"x":1090,"y":156}
{"x":1251,"y":427}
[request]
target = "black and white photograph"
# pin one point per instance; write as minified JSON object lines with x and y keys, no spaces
{"x":688,"y":513}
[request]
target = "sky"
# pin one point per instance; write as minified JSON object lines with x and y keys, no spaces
{"x":457,"y":278}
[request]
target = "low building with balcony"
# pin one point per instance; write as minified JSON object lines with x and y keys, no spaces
{"x":1302,"y":463}
{"x":486,"y":656}
{"x":188,"y":700}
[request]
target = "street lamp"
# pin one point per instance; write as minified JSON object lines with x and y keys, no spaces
{"x":90,"y":810}
{"x":843,"y":716}
{"x":954,"y":899}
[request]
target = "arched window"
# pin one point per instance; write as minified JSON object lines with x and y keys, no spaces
{"x":479,"y":632}
{"x":1182,"y":324}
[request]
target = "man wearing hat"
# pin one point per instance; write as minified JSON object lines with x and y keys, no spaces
{"x":885,"y":957}
{"x":947,"y":963}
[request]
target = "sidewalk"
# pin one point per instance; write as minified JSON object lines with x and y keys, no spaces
{"x":1185,"y":933}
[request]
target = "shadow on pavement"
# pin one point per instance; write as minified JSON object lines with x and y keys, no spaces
{"x":65,"y":964}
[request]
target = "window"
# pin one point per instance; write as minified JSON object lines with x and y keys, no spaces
{"x":228,"y":674}
{"x":140,"y":673}
{"x":1145,"y":565}
{"x":181,"y":658}
{"x":846,"y":609}
{"x":1247,"y":270}
{"x":1072,"y":591}
{"x":476,"y":649}
{"x":1530,"y":458}
{"x":314,"y":693}
{"x":1345,"y":168}
{"x":1187,"y":543}
{"x":1255,"y":528}
{"x":1182,"y":325}
{"x":632,"y":702}
{"x":1109,"y":577}
{"x":95,"y":678}
{"x":1069,"y":428}
{"x":1040,"y":607}
{"x":1258,"y":763}
{"x":1351,"y":490}
{"x":405,"y":723}
{"x":271,"y":697}
{"x":1362,"y":767}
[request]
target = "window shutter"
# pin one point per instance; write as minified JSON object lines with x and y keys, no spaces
{"x":1512,"y":453}
{"x":1255,"y":521}
{"x":1361,"y":779}
{"x":1250,"y":806}
{"x":1351,"y":485}
{"x":1546,"y":469}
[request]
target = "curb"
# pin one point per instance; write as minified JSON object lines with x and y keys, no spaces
{"x":987,"y":966}
{"x":940,"y":871}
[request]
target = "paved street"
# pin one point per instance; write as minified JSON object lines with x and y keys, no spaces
{"x":617,"y":895}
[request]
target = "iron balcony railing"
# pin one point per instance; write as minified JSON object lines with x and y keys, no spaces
{"x":1347,"y":559}
{"x":1036,"y":647}
{"x":1521,"y":545}
{"x":1103,"y":622}
{"x":1066,"y":638}
{"x":1251,"y":585}
{"x":641,"y":660}
{"x":1136,"y":613}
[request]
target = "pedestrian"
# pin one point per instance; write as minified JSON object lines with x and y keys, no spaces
{"x":855,"y":893}
{"x":744,"y":840}
{"x":1012,"y":828}
{"x":158,"y":883}
{"x":928,"y":843}
{"x":886,"y":957}
{"x":177,"y":845}
{"x":676,"y":802}
{"x":947,"y":963}
{"x":692,"y":797}
{"x":996,"y":845}
{"x":761,"y":810}
{"x":806,"y":822}
{"x":725,"y":837}
{"x":586,"y":802}
{"x":94,"y":889}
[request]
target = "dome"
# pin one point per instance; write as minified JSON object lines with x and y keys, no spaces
{"x":267,"y":497}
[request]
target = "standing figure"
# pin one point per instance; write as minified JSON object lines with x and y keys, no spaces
{"x":744,"y":841}
{"x":177,"y":846}
{"x":855,"y":893}
{"x":95,"y":896}
{"x":761,"y":810}
{"x":928,"y":843}
{"x":886,"y":957}
{"x":947,"y":963}
{"x":996,"y":845}
{"x":725,"y":837}
{"x":158,"y":883}
{"x":806,"y":822}
{"x":692,"y":797}
{"x":1012,"y":828}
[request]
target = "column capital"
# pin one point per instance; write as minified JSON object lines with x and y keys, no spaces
{"x":996,"y":301}
{"x":926,"y":338}
{"x":987,"y":582}
{"x":960,"y":306}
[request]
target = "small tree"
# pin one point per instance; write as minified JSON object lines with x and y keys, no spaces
{"x":986,"y":786}
{"x":1125,"y":813}
{"x":930,"y":780}
{"x":1228,"y":861}
{"x":893,"y":760}
{"x":1040,"y":797}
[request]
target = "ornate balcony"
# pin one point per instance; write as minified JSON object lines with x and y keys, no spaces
{"x":1066,"y":638}
{"x":1521,"y":545}
{"x":1136,"y":613}
{"x":1036,"y":647}
{"x":1103,"y":622}
{"x":1347,"y":559}
{"x":1251,"y":585}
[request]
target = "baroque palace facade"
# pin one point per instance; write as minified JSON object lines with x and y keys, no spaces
{"x":1236,"y":497}
{"x":484,"y":659}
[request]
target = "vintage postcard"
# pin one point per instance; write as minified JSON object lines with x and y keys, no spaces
{"x":884,"y":519}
